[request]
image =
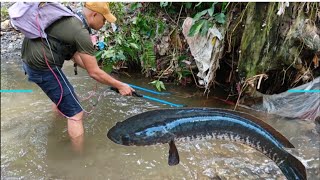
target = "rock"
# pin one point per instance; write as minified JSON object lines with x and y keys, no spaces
{"x":317,"y":122}
{"x":5,"y":25}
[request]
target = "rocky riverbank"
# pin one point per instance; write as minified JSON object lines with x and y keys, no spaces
{"x":11,"y":40}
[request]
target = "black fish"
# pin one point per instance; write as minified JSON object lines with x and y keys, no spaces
{"x":166,"y":125}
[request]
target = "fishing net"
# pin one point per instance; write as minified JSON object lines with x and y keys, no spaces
{"x":294,"y":103}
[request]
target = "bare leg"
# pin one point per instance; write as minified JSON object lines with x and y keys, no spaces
{"x":76,"y":132}
{"x":56,"y":110}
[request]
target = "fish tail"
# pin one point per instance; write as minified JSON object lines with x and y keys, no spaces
{"x":293,"y":169}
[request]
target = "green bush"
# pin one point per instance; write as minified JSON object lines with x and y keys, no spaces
{"x":134,"y":39}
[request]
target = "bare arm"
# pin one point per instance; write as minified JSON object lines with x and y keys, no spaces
{"x":77,"y":59}
{"x":89,"y":63}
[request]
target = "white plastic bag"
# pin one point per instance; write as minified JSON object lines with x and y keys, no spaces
{"x":304,"y":105}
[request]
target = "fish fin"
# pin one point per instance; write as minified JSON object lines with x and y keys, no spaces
{"x":292,"y":168}
{"x":173,"y":154}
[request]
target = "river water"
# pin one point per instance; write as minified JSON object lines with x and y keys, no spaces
{"x":35,"y":143}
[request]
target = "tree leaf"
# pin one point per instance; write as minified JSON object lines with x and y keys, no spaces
{"x":195,"y":28}
{"x":135,"y":6}
{"x":162,"y":85}
{"x":108,"y":54}
{"x":204,"y":28}
{"x":153,"y":82}
{"x":211,"y":11}
{"x":134,"y":45}
{"x":163,"y":4}
{"x":98,"y":55}
{"x":197,"y":4}
{"x":199,"y":15}
{"x":221,"y":18}
{"x":158,"y":86}
{"x":107,"y":66}
{"x":120,"y":55}
{"x":188,"y":5}
{"x":224,"y":5}
{"x":214,"y":3}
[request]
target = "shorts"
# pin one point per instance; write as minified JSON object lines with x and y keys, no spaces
{"x":49,"y":84}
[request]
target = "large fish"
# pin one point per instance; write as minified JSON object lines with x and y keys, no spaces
{"x":167,"y":125}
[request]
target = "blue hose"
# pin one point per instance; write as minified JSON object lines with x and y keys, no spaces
{"x":163,"y":101}
{"x":148,"y":90}
{"x":151,"y":98}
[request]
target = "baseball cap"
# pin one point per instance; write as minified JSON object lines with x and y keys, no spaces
{"x":102,"y":8}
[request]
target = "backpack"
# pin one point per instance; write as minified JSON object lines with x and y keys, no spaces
{"x":32,"y":18}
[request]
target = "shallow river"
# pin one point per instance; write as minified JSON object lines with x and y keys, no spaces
{"x":35,"y":143}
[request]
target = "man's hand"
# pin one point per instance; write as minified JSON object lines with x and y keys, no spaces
{"x":125,"y":90}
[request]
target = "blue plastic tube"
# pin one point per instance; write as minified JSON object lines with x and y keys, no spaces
{"x":15,"y":91}
{"x":151,"y":98}
{"x":148,"y":90}
{"x":163,"y":101}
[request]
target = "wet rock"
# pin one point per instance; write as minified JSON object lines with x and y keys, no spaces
{"x":11,"y":42}
{"x":317,"y":122}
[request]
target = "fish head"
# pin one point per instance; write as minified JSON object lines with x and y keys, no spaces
{"x":141,"y":135}
{"x":123,"y":134}
{"x":119,"y":134}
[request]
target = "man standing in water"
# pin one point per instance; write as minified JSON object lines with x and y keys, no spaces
{"x":69,"y":38}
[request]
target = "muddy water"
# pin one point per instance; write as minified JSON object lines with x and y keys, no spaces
{"x":35,"y":144}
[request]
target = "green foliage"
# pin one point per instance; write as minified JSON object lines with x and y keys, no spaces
{"x":4,"y":13}
{"x":134,"y":40}
{"x":158,"y":84}
{"x":135,"y":6}
{"x":206,"y":18}
{"x":148,"y":56}
{"x":118,"y":10}
{"x":140,"y":26}
{"x":196,"y":27}
{"x":165,"y":4}
{"x":205,"y":14}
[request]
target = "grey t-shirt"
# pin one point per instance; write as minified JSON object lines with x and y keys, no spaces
{"x":69,"y":30}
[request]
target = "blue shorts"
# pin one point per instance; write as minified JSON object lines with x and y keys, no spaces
{"x":48,"y":83}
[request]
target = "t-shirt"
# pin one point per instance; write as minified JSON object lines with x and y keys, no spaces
{"x":68,"y":30}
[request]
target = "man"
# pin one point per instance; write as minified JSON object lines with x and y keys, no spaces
{"x":68,"y":37}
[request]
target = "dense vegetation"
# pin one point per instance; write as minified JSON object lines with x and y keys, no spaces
{"x":262,"y":47}
{"x":149,"y":38}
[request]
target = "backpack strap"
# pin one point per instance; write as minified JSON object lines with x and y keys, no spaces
{"x":84,"y":21}
{"x":82,"y":18}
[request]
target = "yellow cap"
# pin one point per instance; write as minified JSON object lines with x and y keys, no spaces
{"x":102,"y":8}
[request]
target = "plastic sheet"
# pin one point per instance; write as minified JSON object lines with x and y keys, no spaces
{"x":206,"y":51}
{"x":303,"y":105}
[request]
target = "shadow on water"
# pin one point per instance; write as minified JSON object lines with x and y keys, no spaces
{"x":35,"y":143}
